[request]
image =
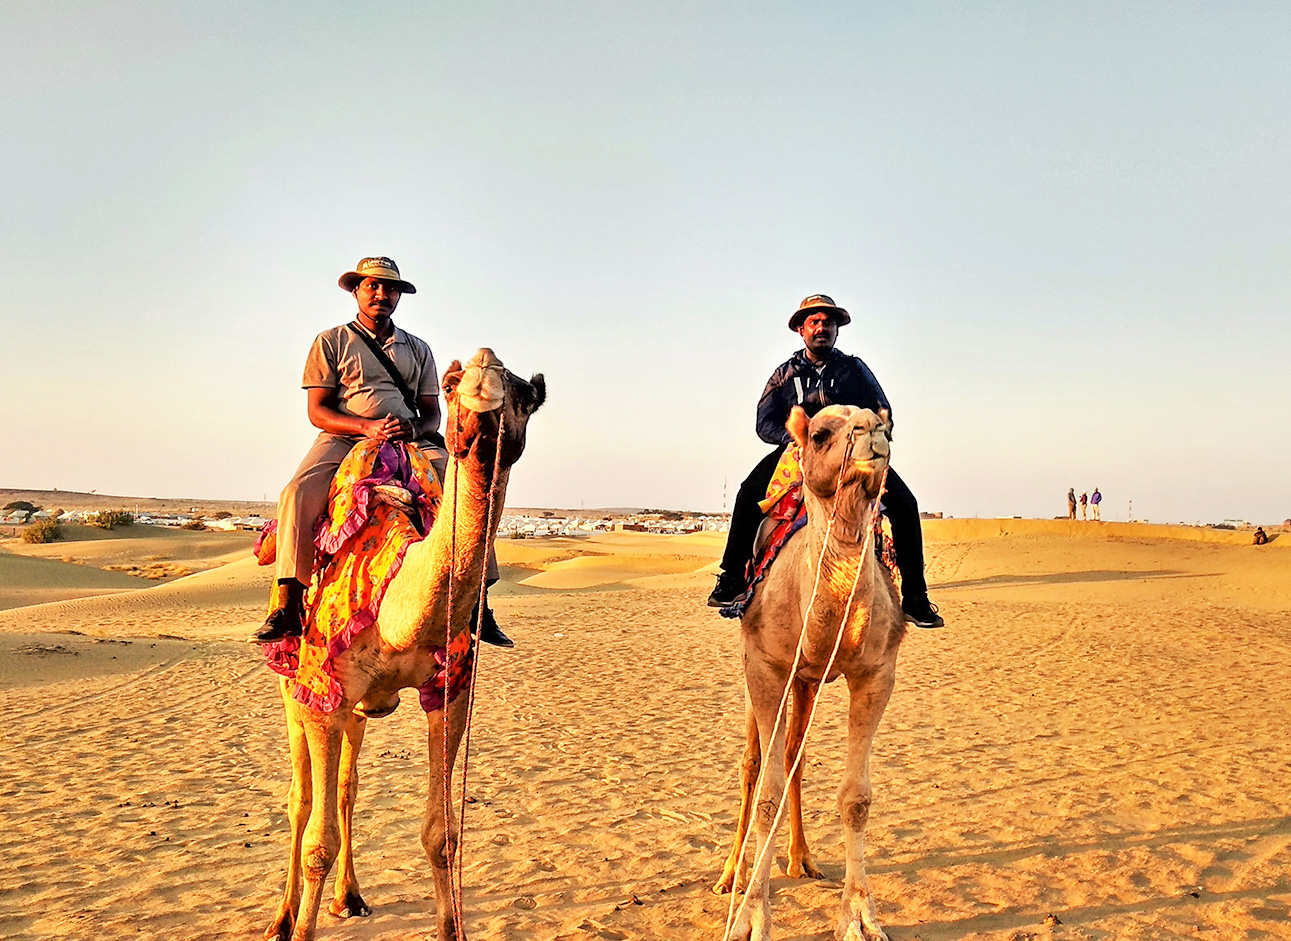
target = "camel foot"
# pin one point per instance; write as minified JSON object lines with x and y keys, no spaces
{"x":281,"y":928}
{"x":804,"y":868}
{"x":352,"y":906}
{"x":857,"y":931}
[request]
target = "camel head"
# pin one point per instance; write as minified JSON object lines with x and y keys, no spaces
{"x":843,"y":448}
{"x":482,"y":395}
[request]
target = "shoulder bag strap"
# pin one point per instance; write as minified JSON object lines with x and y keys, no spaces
{"x":409,"y":399}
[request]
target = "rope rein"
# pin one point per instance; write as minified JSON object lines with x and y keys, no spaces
{"x":733,"y":914}
{"x":455,"y":884}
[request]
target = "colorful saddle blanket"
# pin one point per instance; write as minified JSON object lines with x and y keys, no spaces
{"x":785,"y":507}
{"x":383,"y":499}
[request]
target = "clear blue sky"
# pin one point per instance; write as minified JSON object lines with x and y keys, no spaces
{"x":1063,"y":230}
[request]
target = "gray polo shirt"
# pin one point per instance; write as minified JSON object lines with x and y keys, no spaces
{"x":339,"y":360}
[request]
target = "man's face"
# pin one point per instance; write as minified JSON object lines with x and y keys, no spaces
{"x":377,"y":299}
{"x":818,"y":332}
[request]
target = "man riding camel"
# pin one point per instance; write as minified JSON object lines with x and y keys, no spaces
{"x":364,"y":379}
{"x":813,"y":377}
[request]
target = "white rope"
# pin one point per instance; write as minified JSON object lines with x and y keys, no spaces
{"x":733,"y":914}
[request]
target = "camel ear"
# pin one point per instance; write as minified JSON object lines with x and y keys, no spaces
{"x":797,"y":426}
{"x":539,"y":383}
{"x":885,"y":417}
{"x":453,"y":377}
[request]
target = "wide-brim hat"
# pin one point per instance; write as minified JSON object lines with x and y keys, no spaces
{"x":376,"y":267}
{"x":815,"y":303}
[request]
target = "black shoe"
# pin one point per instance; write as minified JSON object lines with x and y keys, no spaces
{"x":729,"y":589}
{"x":922,"y":613}
{"x":281,"y":623}
{"x":490,"y":633}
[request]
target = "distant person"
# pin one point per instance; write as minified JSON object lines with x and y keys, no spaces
{"x":813,"y":377}
{"x":1260,"y":538}
{"x":1095,"y":501}
{"x":1071,"y":503}
{"x":1084,"y":505}
{"x":364,"y":379}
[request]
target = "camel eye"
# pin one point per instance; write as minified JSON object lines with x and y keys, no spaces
{"x":819,"y":437}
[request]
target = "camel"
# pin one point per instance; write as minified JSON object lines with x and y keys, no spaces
{"x":845,"y":453}
{"x":397,"y":653}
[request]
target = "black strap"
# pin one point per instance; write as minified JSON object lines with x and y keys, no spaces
{"x":408,"y":398}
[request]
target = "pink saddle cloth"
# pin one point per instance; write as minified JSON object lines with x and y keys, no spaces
{"x":383,"y":500}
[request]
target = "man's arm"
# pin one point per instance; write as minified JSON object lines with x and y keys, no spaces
{"x":428,"y":424}
{"x":772,"y":410}
{"x":324,"y":416}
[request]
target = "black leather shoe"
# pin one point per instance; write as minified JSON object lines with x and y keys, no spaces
{"x":281,"y":623}
{"x":922,"y":613}
{"x":490,"y":633}
{"x":728,"y":590}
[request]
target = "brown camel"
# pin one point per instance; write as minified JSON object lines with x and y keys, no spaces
{"x":396,"y":653}
{"x":844,"y":458}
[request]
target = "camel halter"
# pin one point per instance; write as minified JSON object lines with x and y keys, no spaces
{"x":732,"y":913}
{"x":455,"y":884}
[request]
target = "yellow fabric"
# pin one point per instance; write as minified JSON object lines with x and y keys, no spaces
{"x":347,"y":588}
{"x":788,"y":474}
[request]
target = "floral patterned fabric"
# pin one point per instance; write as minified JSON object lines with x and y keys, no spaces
{"x":383,"y":499}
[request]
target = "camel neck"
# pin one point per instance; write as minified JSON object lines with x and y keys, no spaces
{"x":415,"y":608}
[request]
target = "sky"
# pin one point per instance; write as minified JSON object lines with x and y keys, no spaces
{"x":1063,"y":232}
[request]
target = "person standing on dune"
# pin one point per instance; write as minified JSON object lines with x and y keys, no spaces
{"x":364,"y":379}
{"x":1071,"y":503}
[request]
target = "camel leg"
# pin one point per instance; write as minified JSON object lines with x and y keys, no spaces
{"x":749,"y":767}
{"x":858,"y":918}
{"x":765,"y":685}
{"x":322,"y":837}
{"x":801,"y":864}
{"x":299,"y":801}
{"x":348,"y":901}
{"x":439,"y":831}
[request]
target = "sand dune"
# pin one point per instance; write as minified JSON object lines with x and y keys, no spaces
{"x":1099,"y":733}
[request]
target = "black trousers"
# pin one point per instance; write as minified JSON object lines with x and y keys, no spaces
{"x":899,"y":505}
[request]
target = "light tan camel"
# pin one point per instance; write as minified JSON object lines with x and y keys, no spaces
{"x":396,"y":653}
{"x":844,"y":457}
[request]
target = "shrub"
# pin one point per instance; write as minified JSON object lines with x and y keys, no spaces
{"x":221,"y":515}
{"x":194,"y":525}
{"x":21,"y":505}
{"x":43,"y":531}
{"x":110,"y":519}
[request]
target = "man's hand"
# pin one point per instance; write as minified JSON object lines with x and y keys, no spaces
{"x":390,"y":429}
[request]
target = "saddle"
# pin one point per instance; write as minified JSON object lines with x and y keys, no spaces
{"x":785,"y":512}
{"x":383,"y":499}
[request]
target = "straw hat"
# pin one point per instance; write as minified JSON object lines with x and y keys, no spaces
{"x":377,"y":267}
{"x":818,"y":302}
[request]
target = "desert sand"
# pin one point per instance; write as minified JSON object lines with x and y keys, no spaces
{"x":1100,"y":734}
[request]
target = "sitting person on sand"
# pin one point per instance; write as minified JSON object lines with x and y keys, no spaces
{"x":367,"y":378}
{"x":1260,"y":537}
{"x":821,"y":375}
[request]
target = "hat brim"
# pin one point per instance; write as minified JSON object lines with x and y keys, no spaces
{"x":350,"y":280}
{"x":841,"y":317}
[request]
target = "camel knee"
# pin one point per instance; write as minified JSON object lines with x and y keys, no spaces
{"x":855,"y":811}
{"x":439,"y":846}
{"x":767,"y":808}
{"x":318,"y":855}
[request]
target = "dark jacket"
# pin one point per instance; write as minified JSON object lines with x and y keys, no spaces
{"x":845,"y":380}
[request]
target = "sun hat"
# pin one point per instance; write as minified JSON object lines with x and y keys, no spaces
{"x":818,"y":302}
{"x":375,"y":267}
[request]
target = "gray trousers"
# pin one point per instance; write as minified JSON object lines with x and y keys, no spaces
{"x":304,"y":499}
